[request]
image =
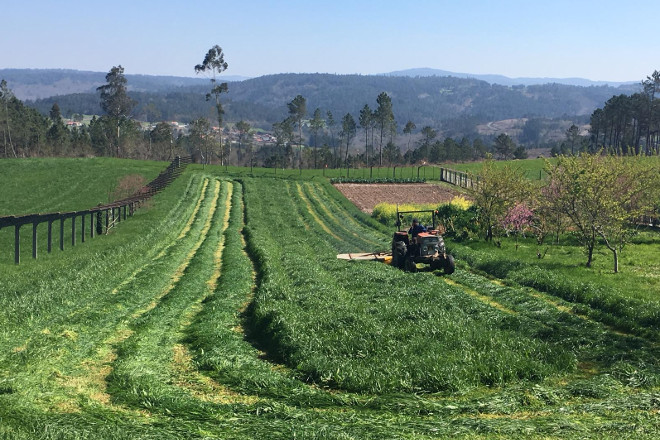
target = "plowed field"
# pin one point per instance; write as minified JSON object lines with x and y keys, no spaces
{"x":366,"y":196}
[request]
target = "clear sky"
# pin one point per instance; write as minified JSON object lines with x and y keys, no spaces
{"x":599,"y":40}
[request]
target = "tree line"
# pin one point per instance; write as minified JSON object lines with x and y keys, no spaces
{"x":299,"y":140}
{"x":629,"y":124}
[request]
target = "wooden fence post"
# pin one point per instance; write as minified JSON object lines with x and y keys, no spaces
{"x":50,"y":236}
{"x":73,"y":230}
{"x":34,"y":240}
{"x":61,"y":233}
{"x":17,"y":244}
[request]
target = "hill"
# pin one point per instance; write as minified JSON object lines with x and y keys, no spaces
{"x":31,"y":84}
{"x":455,"y":105}
{"x":506,"y":81}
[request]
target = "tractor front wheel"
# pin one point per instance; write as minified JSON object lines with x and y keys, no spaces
{"x":411,"y":266}
{"x":450,"y":265}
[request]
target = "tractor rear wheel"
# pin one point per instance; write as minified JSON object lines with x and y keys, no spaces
{"x":399,"y":254}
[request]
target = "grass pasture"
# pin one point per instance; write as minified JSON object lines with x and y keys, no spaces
{"x":221,"y":312}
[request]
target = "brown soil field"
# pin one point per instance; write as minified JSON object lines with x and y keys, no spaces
{"x":367,"y":195}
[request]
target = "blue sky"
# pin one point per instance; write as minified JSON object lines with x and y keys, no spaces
{"x":599,"y":40}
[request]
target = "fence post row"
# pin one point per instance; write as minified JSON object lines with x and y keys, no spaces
{"x":458,"y":178}
{"x":129,"y":205}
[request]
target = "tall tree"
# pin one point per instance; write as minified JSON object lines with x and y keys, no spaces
{"x":297,"y":112}
{"x":200,"y":136}
{"x":428,"y":134}
{"x":284,"y":136}
{"x":243,"y":133}
{"x":214,"y":64}
{"x":408,"y":129}
{"x":348,"y":130}
{"x":6,"y":96}
{"x":331,"y":126}
{"x":316,"y":125}
{"x":573,"y":137}
{"x":57,"y":133}
{"x":115,"y":101}
{"x":366,"y":118}
{"x":384,"y":117}
{"x":504,"y":146}
{"x":163,"y":140}
{"x":651,"y":87}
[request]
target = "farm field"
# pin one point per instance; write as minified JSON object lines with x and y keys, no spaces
{"x":367,"y":195}
{"x":221,"y":311}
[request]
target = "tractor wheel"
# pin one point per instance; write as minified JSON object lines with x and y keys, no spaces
{"x":410,"y":265}
{"x":399,"y":254}
{"x":450,"y":265}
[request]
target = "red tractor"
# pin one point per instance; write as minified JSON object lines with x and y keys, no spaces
{"x":425,"y":247}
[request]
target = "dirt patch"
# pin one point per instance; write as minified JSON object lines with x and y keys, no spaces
{"x":366,"y":196}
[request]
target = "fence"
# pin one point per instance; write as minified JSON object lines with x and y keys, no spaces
{"x":101,"y":218}
{"x":458,"y":178}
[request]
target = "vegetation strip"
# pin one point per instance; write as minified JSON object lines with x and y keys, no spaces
{"x":312,"y":196}
{"x":312,"y":212}
{"x":479,"y":296}
{"x":108,"y":355}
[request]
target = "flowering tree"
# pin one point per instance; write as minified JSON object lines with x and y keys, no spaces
{"x":517,"y":220}
{"x":499,"y":188}
{"x":602,"y":196}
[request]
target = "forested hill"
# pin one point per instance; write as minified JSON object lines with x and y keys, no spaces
{"x":31,"y":84}
{"x":423,"y":100}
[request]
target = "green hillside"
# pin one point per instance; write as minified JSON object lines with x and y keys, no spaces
{"x":220,"y":310}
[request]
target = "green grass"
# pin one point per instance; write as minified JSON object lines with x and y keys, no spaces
{"x":627,"y":299}
{"x":230,"y":317}
{"x":55,"y":185}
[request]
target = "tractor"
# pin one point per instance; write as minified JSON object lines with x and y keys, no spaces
{"x":426,"y":247}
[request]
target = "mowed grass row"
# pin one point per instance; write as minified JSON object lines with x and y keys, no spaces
{"x":63,"y":314}
{"x":353,"y":230}
{"x":144,"y":367}
{"x":367,"y":327}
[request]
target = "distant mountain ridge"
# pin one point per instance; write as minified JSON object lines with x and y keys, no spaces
{"x":505,"y":80}
{"x":32,"y":84}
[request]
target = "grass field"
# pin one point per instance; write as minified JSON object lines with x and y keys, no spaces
{"x":221,"y":312}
